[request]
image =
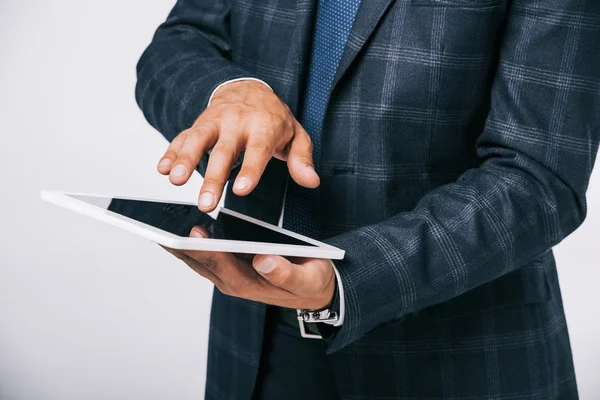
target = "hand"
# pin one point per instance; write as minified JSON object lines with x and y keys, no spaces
{"x":243,"y":115}
{"x":305,"y":283}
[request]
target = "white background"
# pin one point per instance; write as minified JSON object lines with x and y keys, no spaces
{"x":88,"y":311}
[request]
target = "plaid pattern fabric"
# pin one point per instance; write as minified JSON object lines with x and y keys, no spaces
{"x":456,"y":151}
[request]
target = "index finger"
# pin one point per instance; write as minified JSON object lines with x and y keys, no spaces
{"x":198,"y":140}
{"x":220,"y":162}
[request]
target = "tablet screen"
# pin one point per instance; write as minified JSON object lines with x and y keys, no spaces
{"x":179,"y":219}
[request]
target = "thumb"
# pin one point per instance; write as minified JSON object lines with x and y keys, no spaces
{"x":278,"y":271}
{"x":199,"y":232}
{"x":300,"y":160}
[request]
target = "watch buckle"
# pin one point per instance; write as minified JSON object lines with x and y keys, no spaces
{"x":304,"y":333}
{"x":307,"y":316}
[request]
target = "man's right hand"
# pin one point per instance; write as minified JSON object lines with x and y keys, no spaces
{"x":242,"y":115}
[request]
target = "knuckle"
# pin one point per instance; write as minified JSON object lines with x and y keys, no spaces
{"x":204,"y":129}
{"x":260,"y":117}
{"x":231,"y":115}
{"x":287,"y":124}
{"x":280,"y":123}
{"x":225,"y":148}
{"x":305,"y":143}
{"x":181,"y":136}
{"x":250,"y":171}
{"x":260,"y":146}
{"x":172,"y":150}
{"x":266,"y":121}
{"x":309,"y":145}
{"x":213,"y":182}
{"x":305,"y":160}
{"x":190,"y":131}
{"x":170,"y":154}
{"x":186,"y":161}
{"x":282,"y":278}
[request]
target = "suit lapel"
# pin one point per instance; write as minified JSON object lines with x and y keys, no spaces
{"x":367,"y":18}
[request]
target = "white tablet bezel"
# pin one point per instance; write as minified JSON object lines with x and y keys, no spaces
{"x":167,"y":239}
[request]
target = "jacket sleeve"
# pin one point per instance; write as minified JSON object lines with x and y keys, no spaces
{"x":189,"y":56}
{"x":537,"y":151}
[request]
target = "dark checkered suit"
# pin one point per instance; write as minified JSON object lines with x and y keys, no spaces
{"x":456,"y":151}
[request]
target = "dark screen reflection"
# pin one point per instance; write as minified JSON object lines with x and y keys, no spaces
{"x":179,"y":219}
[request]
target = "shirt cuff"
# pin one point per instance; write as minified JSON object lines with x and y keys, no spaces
{"x":235,"y":80}
{"x":342,"y":304}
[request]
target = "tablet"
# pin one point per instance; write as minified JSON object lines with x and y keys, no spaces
{"x":169,"y":223}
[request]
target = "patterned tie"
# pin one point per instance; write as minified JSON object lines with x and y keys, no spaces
{"x":334,"y":21}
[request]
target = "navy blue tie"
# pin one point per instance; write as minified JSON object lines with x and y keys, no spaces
{"x":334,"y":21}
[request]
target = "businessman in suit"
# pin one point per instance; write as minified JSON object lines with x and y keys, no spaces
{"x":445,"y":145}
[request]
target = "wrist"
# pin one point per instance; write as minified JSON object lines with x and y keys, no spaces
{"x":329,"y":294}
{"x":238,"y":89}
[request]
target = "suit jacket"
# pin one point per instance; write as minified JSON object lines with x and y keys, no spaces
{"x":457,"y":147}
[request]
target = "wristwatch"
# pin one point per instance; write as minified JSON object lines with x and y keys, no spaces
{"x":328,"y":315}
{"x":324,"y":315}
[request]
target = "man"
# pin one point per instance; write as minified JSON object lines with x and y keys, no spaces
{"x":445,"y":145}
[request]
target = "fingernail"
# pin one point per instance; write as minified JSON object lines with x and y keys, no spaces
{"x":178,"y":170}
{"x":206,"y":200}
{"x":165,"y":163}
{"x":241,"y":183}
{"x":197,"y":234}
{"x":265,"y":266}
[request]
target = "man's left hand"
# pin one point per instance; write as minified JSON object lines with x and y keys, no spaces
{"x":304,"y":283}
